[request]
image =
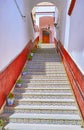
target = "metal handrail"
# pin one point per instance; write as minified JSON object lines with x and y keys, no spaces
{"x":23,"y":16}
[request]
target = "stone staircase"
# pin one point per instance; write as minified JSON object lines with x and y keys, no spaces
{"x":45,"y":100}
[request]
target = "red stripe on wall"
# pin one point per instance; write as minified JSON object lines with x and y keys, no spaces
{"x":9,"y":76}
{"x":75,"y":76}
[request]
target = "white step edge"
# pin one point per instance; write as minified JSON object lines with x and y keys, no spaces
{"x":45,"y":94}
{"x":47,"y":100}
{"x":45,"y":107}
{"x":45,"y":116}
{"x":22,"y":126}
{"x":37,"y":88}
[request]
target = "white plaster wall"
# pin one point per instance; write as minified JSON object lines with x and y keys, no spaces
{"x":59,"y":3}
{"x":76,"y":39}
{"x":14,"y":33}
{"x":45,"y":9}
{"x":62,"y":23}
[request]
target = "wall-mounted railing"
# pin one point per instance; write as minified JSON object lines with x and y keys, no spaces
{"x":75,"y":76}
{"x":9,"y":76}
{"x":19,"y":10}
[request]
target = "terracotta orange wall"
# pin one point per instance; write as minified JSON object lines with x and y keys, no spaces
{"x":9,"y":76}
{"x":75,"y":76}
{"x":44,"y":22}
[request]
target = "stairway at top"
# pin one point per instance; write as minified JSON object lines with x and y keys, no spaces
{"x":45,"y":100}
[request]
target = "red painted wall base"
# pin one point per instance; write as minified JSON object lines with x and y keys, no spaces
{"x":9,"y":76}
{"x":75,"y":76}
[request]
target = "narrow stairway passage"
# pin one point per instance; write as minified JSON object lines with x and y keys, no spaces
{"x":45,"y":100}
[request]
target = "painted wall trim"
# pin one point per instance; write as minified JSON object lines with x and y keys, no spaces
{"x":75,"y":76}
{"x":9,"y":76}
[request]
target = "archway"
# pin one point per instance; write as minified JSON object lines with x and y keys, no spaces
{"x":49,"y":13}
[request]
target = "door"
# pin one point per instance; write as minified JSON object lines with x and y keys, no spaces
{"x":45,"y":37}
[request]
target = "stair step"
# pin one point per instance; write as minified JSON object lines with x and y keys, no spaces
{"x":46,"y":60}
{"x":45,"y":118}
{"x":36,"y":63}
{"x":45,"y":90}
{"x":44,"y":95}
{"x":46,"y":85}
{"x":45,"y":68}
{"x":47,"y":57}
{"x":41,"y":57}
{"x":45,"y":75}
{"x":47,"y":79}
{"x":42,"y":109}
{"x":45,"y":64}
{"x":58,"y":76}
{"x":48,"y":102}
{"x":22,"y":126}
{"x":45,"y":72}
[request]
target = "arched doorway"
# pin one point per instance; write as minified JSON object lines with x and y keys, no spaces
{"x":44,"y":15}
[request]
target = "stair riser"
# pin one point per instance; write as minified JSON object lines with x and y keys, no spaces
{"x":47,"y":57}
{"x":45,"y":70}
{"x":46,"y":73}
{"x":45,"y":121}
{"x":43,"y":65}
{"x":46,"y":60}
{"x":43,"y":97}
{"x":32,"y":68}
{"x":38,"y":78}
{"x":36,"y":57}
{"x":47,"y":54}
{"x":38,"y":111}
{"x":46,"y":81}
{"x":45,"y":85}
{"x":42,"y":77}
{"x":44,"y":91}
{"x":40,"y":66}
{"x":55,"y":55}
{"x":44,"y":103}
